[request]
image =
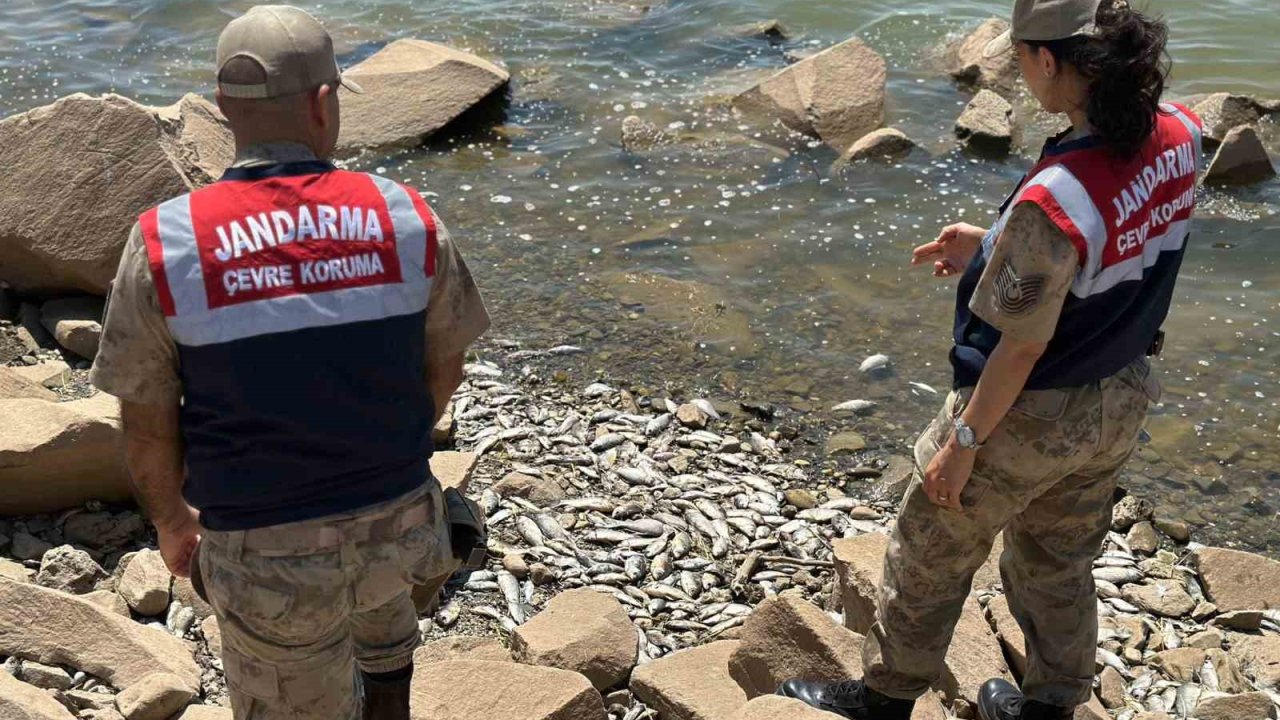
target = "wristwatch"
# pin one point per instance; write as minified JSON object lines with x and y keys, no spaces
{"x":965,"y":436}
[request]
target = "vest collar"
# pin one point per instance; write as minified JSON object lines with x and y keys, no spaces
{"x":280,"y":159}
{"x":1060,"y":145}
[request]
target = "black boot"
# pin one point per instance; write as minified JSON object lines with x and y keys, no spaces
{"x":999,"y":700}
{"x":386,"y":695}
{"x":849,"y":699}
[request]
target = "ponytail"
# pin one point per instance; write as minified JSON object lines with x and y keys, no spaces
{"x":1126,"y":67}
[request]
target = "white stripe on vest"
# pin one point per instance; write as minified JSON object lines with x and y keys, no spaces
{"x":194,"y":324}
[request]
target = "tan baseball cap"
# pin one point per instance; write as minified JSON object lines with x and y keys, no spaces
{"x":1045,"y":20}
{"x":293,"y":49}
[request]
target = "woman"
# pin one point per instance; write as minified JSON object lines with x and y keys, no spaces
{"x":1059,"y":304}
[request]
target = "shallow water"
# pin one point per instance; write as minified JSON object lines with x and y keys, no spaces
{"x":735,"y":269}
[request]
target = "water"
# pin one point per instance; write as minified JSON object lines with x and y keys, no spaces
{"x":734,"y":269}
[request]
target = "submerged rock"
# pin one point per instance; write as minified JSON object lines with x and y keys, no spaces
{"x":966,"y":62}
{"x":639,"y":135}
{"x":882,"y":144}
{"x":80,"y":171}
{"x":837,"y":95}
{"x":412,"y":88}
{"x":986,"y":125}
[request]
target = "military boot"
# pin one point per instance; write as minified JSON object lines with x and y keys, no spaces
{"x":849,"y":699}
{"x":999,"y":700}
{"x":386,"y":695}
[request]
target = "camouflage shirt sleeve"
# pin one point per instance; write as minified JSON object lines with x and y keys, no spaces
{"x":1027,"y":278}
{"x":137,"y":360}
{"x":456,"y":316}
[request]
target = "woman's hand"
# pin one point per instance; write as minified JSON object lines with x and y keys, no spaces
{"x":952,"y":251}
{"x":947,"y":475}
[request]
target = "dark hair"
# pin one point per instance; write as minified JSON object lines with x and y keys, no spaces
{"x":1126,"y":66}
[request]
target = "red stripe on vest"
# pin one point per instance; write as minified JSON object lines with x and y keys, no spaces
{"x":232,"y":221}
{"x":148,"y":222}
{"x":1044,"y":199}
{"x":429,"y":220}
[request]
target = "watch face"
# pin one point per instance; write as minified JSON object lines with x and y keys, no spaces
{"x":965,"y":435}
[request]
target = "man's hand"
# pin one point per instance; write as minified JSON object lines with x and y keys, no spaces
{"x":947,"y":475}
{"x":178,"y":543}
{"x":952,"y":251}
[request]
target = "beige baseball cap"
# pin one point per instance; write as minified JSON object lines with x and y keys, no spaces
{"x":1045,"y":20}
{"x":293,"y":49}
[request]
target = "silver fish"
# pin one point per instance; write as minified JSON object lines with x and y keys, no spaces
{"x":446,"y":616}
{"x":873,"y":363}
{"x":855,"y":406}
{"x":607,"y":442}
{"x":529,"y":530}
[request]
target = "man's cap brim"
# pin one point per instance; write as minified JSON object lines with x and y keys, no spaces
{"x":1000,"y":45}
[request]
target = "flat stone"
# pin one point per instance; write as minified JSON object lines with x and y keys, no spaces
{"x":882,"y":144}
{"x":20,"y":701}
{"x":986,"y":125}
{"x":472,"y":689}
{"x":76,"y":323}
{"x":859,"y":565}
{"x":59,"y":455}
{"x":48,"y":677}
{"x":155,"y":697}
{"x":581,"y":630}
{"x":1236,"y":580}
{"x":1246,"y":620}
{"x":1254,"y":705}
{"x":205,"y":712}
{"x":453,"y":469}
{"x":837,"y":95}
{"x":106,"y":160}
{"x":845,"y":443}
{"x":1091,"y":710}
{"x":1240,"y":160}
{"x":14,"y":385}
{"x":461,"y":647}
{"x":1231,"y":678}
{"x":1112,"y":688}
{"x":776,"y":707}
{"x":412,"y":89}
{"x":1211,"y":639}
{"x":1167,"y":598}
{"x":145,"y":583}
{"x":1142,"y":538}
{"x":966,"y":62}
{"x":1258,"y":656}
{"x":987,"y":576}
{"x":974,"y":656}
{"x":59,"y":629}
{"x":543,"y":492}
{"x":692,"y":684}
{"x":48,"y":373}
{"x":1182,"y":664}
{"x":70,"y":570}
{"x":1010,"y":634}
{"x":15,"y":571}
{"x":789,"y":637}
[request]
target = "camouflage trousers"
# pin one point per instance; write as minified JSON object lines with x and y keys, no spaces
{"x":1046,"y":478}
{"x":302,"y":606}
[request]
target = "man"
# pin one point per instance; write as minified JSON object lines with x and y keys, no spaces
{"x":282,"y":343}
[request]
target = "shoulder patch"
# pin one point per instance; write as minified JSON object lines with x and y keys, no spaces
{"x":1016,"y":296}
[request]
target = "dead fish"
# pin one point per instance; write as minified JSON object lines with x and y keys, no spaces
{"x":690,"y":584}
{"x":635,"y":476}
{"x":635,"y":568}
{"x":593,"y":504}
{"x":607,"y":442}
{"x":856,"y":406}
{"x":489,"y":501}
{"x":666,"y":592}
{"x":1185,"y":700}
{"x":655,"y":426}
{"x":681,"y":544}
{"x":552,"y":529}
{"x":706,"y":407}
{"x":1118,"y":576}
{"x":595,"y":390}
{"x":529,"y":530}
{"x":608,"y":537}
{"x":661,"y":566}
{"x":1113,"y":661}
{"x":873,"y":363}
{"x":921,"y":387}
{"x":1209,"y":676}
{"x":643,"y":526}
{"x":446,"y":616}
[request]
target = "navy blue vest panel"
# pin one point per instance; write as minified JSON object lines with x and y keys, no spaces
{"x":298,"y":425}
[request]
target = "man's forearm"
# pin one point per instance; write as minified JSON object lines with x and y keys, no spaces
{"x":444,"y":376}
{"x":1003,"y":379}
{"x":154,"y":455}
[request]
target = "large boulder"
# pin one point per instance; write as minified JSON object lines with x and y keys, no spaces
{"x":59,"y":455}
{"x":13,"y":386}
{"x":859,"y":565}
{"x":145,"y":584}
{"x":465,"y":689}
{"x":789,"y":637}
{"x":1240,"y":160}
{"x":20,"y":701}
{"x":1237,"y":580}
{"x":986,"y":125}
{"x":461,"y":647}
{"x":55,"y":628}
{"x":965,"y":60}
{"x":412,"y":88}
{"x":1258,"y":656}
{"x":1222,"y":112}
{"x":775,"y":707}
{"x":80,"y":171}
{"x":581,"y":630}
{"x":156,"y":697}
{"x":76,"y":323}
{"x":1254,"y":705}
{"x":837,"y":95}
{"x":692,"y":684}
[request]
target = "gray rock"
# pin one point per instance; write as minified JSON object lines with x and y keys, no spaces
{"x":986,"y":125}
{"x":49,"y":677}
{"x":1130,"y":510}
{"x":1240,"y":160}
{"x":1221,"y":112}
{"x":28,"y":547}
{"x":70,"y":570}
{"x":75,"y":323}
{"x":882,"y":144}
{"x":965,"y":60}
{"x":639,"y":135}
{"x":102,"y":529}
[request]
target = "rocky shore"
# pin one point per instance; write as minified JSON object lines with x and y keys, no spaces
{"x":650,"y":557}
{"x":652,"y":554}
